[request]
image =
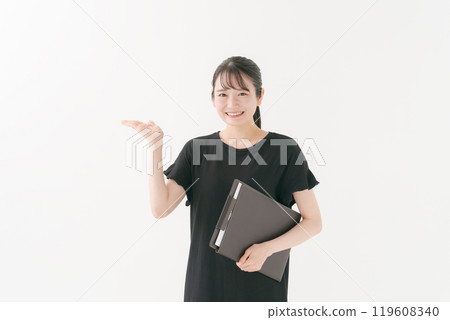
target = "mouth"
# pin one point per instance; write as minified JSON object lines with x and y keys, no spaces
{"x":234,"y":114}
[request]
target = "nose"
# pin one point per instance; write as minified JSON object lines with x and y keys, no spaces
{"x":232,"y":102}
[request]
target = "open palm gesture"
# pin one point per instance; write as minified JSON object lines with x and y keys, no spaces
{"x":150,"y":130}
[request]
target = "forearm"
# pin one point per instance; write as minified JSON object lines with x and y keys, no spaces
{"x":298,"y":234}
{"x":157,"y":185}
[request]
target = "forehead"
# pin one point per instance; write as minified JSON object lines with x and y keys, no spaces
{"x":233,"y":80}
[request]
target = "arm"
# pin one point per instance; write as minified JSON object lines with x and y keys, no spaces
{"x":307,"y":228}
{"x":164,"y":197}
{"x":255,"y":255}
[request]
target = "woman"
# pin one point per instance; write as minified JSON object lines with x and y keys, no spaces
{"x":204,"y":171}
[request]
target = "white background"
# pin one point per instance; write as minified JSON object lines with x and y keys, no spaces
{"x":367,"y":81}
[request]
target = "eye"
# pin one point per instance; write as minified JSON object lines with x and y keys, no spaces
{"x":220,"y":94}
{"x":244,"y":93}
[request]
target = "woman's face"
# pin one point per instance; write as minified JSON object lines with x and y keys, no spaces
{"x":236,"y":106}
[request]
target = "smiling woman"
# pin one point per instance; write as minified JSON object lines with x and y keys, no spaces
{"x":204,"y":171}
{"x":237,"y":90}
{"x":237,"y":94}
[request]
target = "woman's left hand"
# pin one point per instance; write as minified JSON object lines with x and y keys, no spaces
{"x":254,"y":257}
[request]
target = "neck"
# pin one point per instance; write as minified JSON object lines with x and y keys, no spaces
{"x":242,"y":132}
{"x":235,"y":136}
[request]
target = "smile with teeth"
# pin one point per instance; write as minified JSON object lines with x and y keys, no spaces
{"x":234,"y":114}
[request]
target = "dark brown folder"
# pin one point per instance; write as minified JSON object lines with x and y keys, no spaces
{"x":250,"y":217}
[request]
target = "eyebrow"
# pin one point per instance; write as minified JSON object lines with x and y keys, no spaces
{"x":244,"y":89}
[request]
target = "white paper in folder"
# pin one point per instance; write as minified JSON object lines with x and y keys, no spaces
{"x":221,"y":232}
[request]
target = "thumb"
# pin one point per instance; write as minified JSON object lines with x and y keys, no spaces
{"x":243,"y":258}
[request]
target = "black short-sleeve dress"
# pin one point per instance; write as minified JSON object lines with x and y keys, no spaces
{"x":206,"y":168}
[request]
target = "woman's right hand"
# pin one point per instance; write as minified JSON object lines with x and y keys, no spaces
{"x":150,"y":131}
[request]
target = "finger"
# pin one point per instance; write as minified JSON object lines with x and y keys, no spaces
{"x":244,"y":257}
{"x":247,"y":264}
{"x":250,"y":267}
{"x":124,"y":122}
{"x":142,"y":128}
{"x":127,"y":122}
{"x":132,"y":123}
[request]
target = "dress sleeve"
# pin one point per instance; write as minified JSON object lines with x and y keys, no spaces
{"x":181,"y":170}
{"x":296,"y":176}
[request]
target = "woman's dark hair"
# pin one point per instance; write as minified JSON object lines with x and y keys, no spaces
{"x":232,"y":68}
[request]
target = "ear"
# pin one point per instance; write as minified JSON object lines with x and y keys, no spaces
{"x":260,"y":98}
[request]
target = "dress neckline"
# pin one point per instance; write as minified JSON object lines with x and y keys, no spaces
{"x":229,"y":147}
